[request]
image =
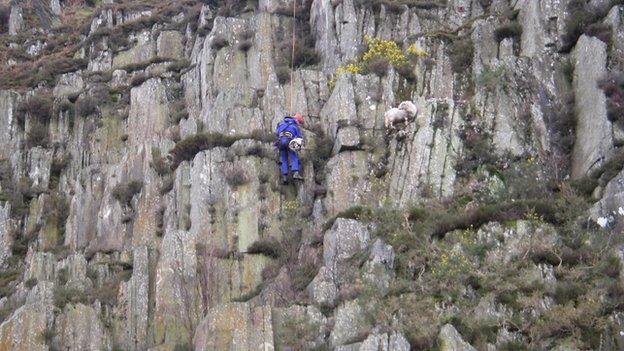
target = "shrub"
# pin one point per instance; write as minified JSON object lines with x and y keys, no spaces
{"x":37,"y":135}
{"x":139,"y":79}
{"x":218,"y":43}
{"x":236,"y":176}
{"x":378,"y":65}
{"x":407,"y":73}
{"x":510,"y":30}
{"x":179,"y":65}
{"x":305,"y":55}
{"x":303,"y":275}
{"x":566,"y":291}
{"x":545,"y":208}
{"x":107,"y":293}
{"x":48,"y":335}
{"x":461,"y":52}
{"x":64,"y":296}
{"x":86,"y":106}
{"x":585,"y":18}
{"x":159,"y":163}
{"x":268,"y":247}
{"x":491,"y":78}
{"x":5,"y":12}
{"x":167,"y":184}
{"x":283,"y":74}
{"x":245,"y":45}
{"x":38,"y":107}
{"x":124,"y":192}
{"x":30,"y":283}
{"x":187,"y":148}
{"x":613,"y":86}
{"x":178,"y":111}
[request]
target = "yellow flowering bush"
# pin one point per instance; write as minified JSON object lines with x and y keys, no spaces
{"x":387,"y":49}
{"x":450,"y":265}
{"x":379,"y":50}
{"x":416,"y":51}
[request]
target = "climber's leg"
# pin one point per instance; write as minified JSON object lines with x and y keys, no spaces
{"x":294,"y":167}
{"x":284,"y":161}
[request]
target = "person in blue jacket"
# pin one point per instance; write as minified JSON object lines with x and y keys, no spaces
{"x":287,"y":130}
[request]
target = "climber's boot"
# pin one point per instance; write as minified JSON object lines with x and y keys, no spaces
{"x":297,"y":176}
{"x":284,"y":179}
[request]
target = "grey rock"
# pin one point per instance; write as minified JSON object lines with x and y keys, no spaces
{"x":379,"y":269}
{"x":69,"y":84}
{"x":307,"y":318}
{"x":350,"y":324}
{"x":177,"y":302}
{"x":346,"y":238}
{"x":143,"y":51}
{"x":80,"y":328}
{"x":348,"y":170}
{"x":135,"y":293}
{"x":394,"y":341}
{"x":425,"y":160}
{"x":340,"y":108}
{"x":347,"y":138}
{"x":594,"y":141}
{"x":322,"y":22}
{"x":39,"y":164}
{"x":6,"y":225}
{"x":16,"y":20}
{"x":322,"y":289}
{"x":451,"y":340}
{"x":236,"y":326}
{"x":169,"y":45}
{"x":41,"y":266}
{"x":24,"y":328}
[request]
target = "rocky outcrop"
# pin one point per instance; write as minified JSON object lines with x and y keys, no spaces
{"x":594,"y":141}
{"x":236,"y":326}
{"x":450,"y":340}
{"x":80,"y":328}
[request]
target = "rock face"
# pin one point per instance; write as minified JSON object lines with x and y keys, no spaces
{"x":594,"y":132}
{"x":235,"y":327}
{"x":450,"y":340}
{"x":140,"y":200}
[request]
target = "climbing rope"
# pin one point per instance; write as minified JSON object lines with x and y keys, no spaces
{"x":292,"y":57}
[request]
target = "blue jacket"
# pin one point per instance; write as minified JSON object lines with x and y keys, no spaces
{"x":287,"y":130}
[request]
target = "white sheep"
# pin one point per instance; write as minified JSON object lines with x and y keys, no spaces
{"x":402,"y":113}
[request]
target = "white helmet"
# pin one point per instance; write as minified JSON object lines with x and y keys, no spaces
{"x":295,"y":144}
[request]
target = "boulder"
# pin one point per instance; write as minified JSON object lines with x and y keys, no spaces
{"x":350,"y":324}
{"x":594,"y":140}
{"x":450,"y":340}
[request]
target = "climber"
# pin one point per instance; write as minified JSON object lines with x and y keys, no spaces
{"x":289,"y":141}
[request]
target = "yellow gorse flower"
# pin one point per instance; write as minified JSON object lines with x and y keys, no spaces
{"x":379,"y":48}
{"x":386,"y":49}
{"x":417,"y":51}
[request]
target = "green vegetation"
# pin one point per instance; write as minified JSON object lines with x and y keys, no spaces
{"x":613,"y":86}
{"x":124,"y":192}
{"x":187,"y":148}
{"x":268,"y":247}
{"x":236,"y":176}
{"x":461,"y":51}
{"x":586,"y":18}
{"x":65,"y":295}
{"x":509,"y":30}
